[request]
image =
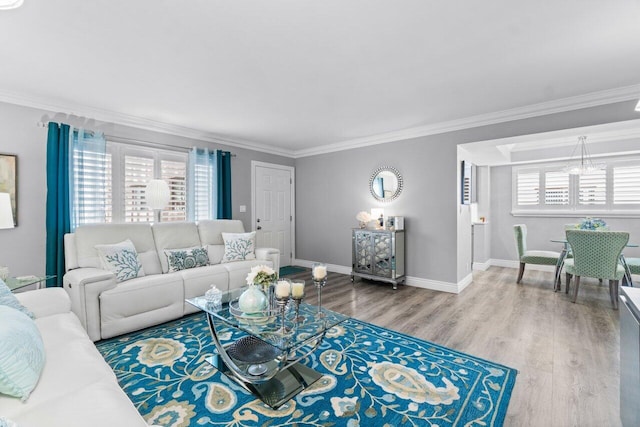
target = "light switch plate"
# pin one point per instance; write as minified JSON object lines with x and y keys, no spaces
{"x":243,"y":208}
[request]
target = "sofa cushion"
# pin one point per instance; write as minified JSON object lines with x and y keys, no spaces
{"x":121,"y":259}
{"x":197,"y":281}
{"x":215,"y":253}
{"x":239,"y":246}
{"x":171,"y":235}
{"x":140,"y":303}
{"x":22,"y":354}
{"x":88,"y":236}
{"x":7,"y":298}
{"x":211,"y":230}
{"x":182,"y":259}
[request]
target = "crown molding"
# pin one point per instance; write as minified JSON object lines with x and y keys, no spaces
{"x":593,"y":99}
{"x":108,"y":116}
{"x":588,"y":100}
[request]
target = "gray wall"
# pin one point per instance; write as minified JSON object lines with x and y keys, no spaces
{"x":22,"y":249}
{"x":332,"y":188}
{"x":540,"y":229}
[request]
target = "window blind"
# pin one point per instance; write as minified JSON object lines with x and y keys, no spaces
{"x":626,"y":185}
{"x":556,"y":188}
{"x":92,"y":187}
{"x":137,"y":172}
{"x":593,"y":188}
{"x":528,"y":188}
{"x":175,"y":174}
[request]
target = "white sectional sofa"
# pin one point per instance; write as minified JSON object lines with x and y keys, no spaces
{"x":107,"y":308}
{"x":76,"y":388}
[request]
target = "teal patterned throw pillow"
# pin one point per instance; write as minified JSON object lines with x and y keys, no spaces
{"x":181,"y":259}
{"x":239,"y":246}
{"x":121,"y":259}
{"x":9,"y":299}
{"x":22,"y":354}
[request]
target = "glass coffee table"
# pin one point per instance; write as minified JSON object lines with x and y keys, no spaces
{"x":267,"y":361}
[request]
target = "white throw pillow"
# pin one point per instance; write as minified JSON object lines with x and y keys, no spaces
{"x":22,"y":353}
{"x":121,"y":259}
{"x":181,"y":259}
{"x":239,"y":246}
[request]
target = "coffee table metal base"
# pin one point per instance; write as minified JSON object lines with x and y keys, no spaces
{"x":279,"y":389}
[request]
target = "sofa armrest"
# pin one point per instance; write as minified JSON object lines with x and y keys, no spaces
{"x":45,"y":302}
{"x":84,"y":286}
{"x":269,"y":254}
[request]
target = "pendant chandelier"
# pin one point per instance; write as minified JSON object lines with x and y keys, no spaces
{"x":582,"y":164}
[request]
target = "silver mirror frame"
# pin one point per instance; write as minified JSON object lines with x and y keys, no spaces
{"x":398,"y":177}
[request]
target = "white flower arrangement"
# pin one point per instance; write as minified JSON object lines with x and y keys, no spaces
{"x":363,"y":216}
{"x":262,"y":275}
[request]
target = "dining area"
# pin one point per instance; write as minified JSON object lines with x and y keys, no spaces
{"x":587,"y":249}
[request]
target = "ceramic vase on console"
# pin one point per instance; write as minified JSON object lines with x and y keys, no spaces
{"x":252,"y":300}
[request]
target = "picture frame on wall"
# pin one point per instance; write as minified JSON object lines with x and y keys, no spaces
{"x":9,"y":181}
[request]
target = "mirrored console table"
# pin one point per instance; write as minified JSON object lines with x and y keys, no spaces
{"x":378,"y":255}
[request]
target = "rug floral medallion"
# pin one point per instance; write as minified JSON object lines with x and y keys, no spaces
{"x":371,"y":377}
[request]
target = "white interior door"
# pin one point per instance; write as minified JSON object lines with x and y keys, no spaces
{"x":272,"y":208}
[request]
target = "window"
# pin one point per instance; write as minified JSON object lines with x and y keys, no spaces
{"x":614,"y":190}
{"x":528,"y":188}
{"x":556,"y":188}
{"x":127,"y":169}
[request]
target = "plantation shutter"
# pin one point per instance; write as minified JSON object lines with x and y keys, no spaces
{"x":528,"y":188}
{"x":592,"y":188}
{"x":138,"y":171}
{"x":89,"y":180}
{"x":175,"y":174}
{"x":626,"y":185}
{"x":556,"y":188}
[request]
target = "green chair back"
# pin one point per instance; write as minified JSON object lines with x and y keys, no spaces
{"x":597,"y":253}
{"x":520,"y":231}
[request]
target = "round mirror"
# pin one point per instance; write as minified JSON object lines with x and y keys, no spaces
{"x":385,"y":184}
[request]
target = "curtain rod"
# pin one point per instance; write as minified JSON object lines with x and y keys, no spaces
{"x":133,"y":141}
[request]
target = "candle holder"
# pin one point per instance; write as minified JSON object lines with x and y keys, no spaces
{"x":283,"y":293}
{"x":297,"y":294}
{"x":282,"y":305}
{"x":319,"y":277}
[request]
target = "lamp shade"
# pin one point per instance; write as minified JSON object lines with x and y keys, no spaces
{"x":6,"y":213}
{"x":157,"y":194}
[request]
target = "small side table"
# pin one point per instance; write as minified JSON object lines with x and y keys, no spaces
{"x":15,"y":283}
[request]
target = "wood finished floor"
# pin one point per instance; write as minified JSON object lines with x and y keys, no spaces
{"x":567,"y":355}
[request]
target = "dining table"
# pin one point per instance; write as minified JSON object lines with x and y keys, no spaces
{"x":565,"y":251}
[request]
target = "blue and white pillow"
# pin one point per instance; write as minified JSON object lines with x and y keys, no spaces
{"x":181,"y":259}
{"x":239,"y":246}
{"x":8,"y":299}
{"x":22,"y":355}
{"x":121,"y":259}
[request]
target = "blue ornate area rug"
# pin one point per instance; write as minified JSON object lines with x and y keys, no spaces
{"x":290,"y":269}
{"x":371,"y":377}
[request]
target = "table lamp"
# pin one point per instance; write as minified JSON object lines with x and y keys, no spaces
{"x":6,"y":221}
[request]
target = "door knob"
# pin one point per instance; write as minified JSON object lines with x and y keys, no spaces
{"x":258,"y":228}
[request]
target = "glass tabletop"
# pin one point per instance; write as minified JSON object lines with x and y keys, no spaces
{"x":266,"y":326}
{"x":20,"y":282}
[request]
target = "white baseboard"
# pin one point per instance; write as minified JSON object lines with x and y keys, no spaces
{"x":515,"y":264}
{"x":482,"y":266}
{"x":331,"y":267}
{"x":417,"y":282}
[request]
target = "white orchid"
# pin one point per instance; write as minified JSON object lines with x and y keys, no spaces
{"x":261,"y":274}
{"x":363,"y":216}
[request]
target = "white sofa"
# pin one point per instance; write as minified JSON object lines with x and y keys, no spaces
{"x":76,"y":387}
{"x":106,"y":308}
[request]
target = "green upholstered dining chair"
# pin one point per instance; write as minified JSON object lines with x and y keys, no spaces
{"x":526,"y":256}
{"x":596,"y":254}
{"x":634,"y":267}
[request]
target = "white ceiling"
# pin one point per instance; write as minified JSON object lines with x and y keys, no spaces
{"x":297,"y":75}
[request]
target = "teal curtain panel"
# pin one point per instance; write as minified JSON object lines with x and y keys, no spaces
{"x":58,"y":215}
